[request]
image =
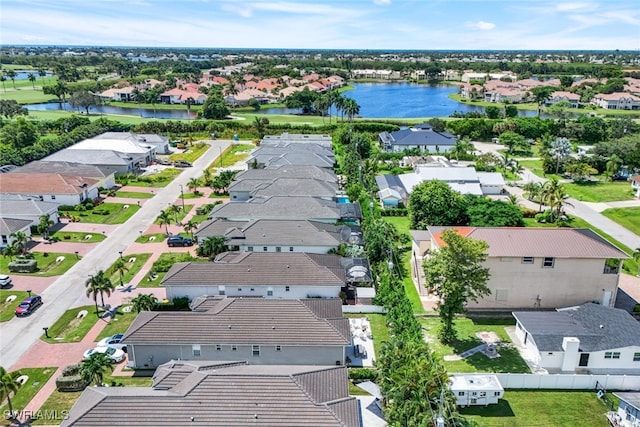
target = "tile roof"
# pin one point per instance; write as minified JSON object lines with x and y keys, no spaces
{"x":91,"y":157}
{"x":253,"y":268}
{"x":539,"y":242}
{"x":597,"y":327}
{"x":295,"y":187}
{"x":631,"y":397}
{"x":287,"y":171}
{"x":11,"y":225}
{"x":19,"y":207}
{"x":67,"y":168}
{"x":418,"y":135}
{"x":224,"y":395}
{"x":44,"y":183}
{"x":241,"y":321}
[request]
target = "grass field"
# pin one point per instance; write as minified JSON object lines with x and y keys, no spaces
{"x":134,"y":195}
{"x":133,"y":268}
{"x":70,"y":328}
{"x":232,"y":155}
{"x":56,"y":407}
{"x":466,"y":328}
{"x":37,"y":378}
{"x":629,"y":218}
{"x":192,"y":154}
{"x":47,"y":264}
{"x":116,"y":213}
{"x":8,"y":309}
{"x":597,"y":191}
{"x":78,"y":237}
{"x":158,"y":180}
{"x":541,"y":408}
{"x":146,"y":238}
{"x":118,"y":324}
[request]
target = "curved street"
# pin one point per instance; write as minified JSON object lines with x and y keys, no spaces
{"x":20,"y":334}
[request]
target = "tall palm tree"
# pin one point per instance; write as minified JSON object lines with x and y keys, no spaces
{"x":3,"y":79}
{"x":351,"y":108}
{"x":533,"y":190}
{"x":9,"y":386}
{"x":259,"y":125}
{"x":120,"y":267}
{"x":44,"y":225}
{"x":193,"y":184}
{"x":190,"y":226}
{"x":98,"y":284}
{"x":10,"y":251}
{"x":12,"y":75}
{"x":189,"y":102}
{"x":32,"y":79}
{"x":165,"y":219}
{"x":144,"y":302}
{"x":20,"y":240}
{"x":174,"y":210}
{"x":95,"y":367}
{"x":554,"y":196}
{"x":206,"y":177}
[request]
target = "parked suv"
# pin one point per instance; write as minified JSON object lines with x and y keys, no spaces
{"x":28,"y":305}
{"x":179,"y":241}
{"x":5,"y":281}
{"x":182,"y":164}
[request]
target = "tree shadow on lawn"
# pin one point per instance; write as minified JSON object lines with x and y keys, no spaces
{"x":501,"y":409}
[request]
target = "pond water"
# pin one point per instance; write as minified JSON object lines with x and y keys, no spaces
{"x":108,"y":109}
{"x":24,"y":75}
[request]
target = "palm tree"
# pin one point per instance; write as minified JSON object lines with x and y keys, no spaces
{"x":98,"y":284}
{"x":190,"y":226}
{"x":44,"y":225}
{"x":351,"y":108}
{"x":189,"y":102}
{"x":12,"y":75}
{"x":259,"y":125}
{"x":42,"y":73}
{"x":533,"y":190}
{"x":636,"y":258}
{"x":95,"y":367}
{"x":206,"y":177}
{"x":193,"y":185}
{"x":174,"y":210}
{"x":9,"y":385}
{"x":3,"y":79}
{"x":32,"y":79}
{"x":120,"y":267}
{"x":10,"y":251}
{"x":554,"y":196}
{"x":512,"y":199}
{"x":211,"y":246}
{"x":144,"y":302}
{"x":20,"y":240}
{"x":165,"y":219}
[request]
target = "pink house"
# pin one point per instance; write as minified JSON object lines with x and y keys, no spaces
{"x":557,"y":96}
{"x":616,"y":101}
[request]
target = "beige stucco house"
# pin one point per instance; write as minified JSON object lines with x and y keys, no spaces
{"x":536,"y":267}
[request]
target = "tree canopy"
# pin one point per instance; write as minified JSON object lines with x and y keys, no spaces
{"x":434,"y":203}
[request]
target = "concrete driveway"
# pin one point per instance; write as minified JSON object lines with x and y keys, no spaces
{"x":19,"y":336}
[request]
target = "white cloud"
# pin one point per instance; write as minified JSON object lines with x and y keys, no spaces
{"x":481,"y":25}
{"x":572,"y":7}
{"x":382,"y":2}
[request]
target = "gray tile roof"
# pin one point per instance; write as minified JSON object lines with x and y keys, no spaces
{"x":253,"y":268}
{"x":278,"y":207}
{"x":20,"y":207}
{"x":66,"y":168}
{"x":541,"y":242}
{"x":285,"y":138}
{"x":296,"y":187}
{"x":11,"y":225}
{"x":417,"y":135}
{"x":631,"y":397}
{"x":293,"y":158}
{"x":91,"y":157}
{"x":290,"y":171}
{"x":277,"y":232}
{"x":243,"y":321}
{"x":351,"y":270}
{"x":597,"y":327}
{"x":225,"y":395}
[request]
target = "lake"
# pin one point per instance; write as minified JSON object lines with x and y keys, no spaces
{"x":108,"y":109}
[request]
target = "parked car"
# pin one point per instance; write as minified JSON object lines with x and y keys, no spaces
{"x":28,"y":305}
{"x":113,"y":341}
{"x":5,"y":281}
{"x":179,"y":241}
{"x":182,"y":164}
{"x":114,"y":354}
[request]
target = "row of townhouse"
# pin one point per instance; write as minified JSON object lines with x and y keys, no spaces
{"x":272,"y":300}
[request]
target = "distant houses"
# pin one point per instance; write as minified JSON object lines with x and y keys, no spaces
{"x":421,"y":137}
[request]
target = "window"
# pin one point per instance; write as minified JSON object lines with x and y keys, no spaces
{"x":474,"y":401}
{"x":287,"y":288}
{"x":608,"y":355}
{"x":548,"y":262}
{"x":278,"y":348}
{"x":234,"y":347}
{"x":528,"y":259}
{"x":250,"y":248}
{"x":496,"y":393}
{"x":616,"y":355}
{"x":290,"y":248}
{"x":53,"y":197}
{"x":239,"y":289}
{"x":253,"y":289}
{"x":473,"y":393}
{"x":264,"y":249}
{"x":636,"y":357}
{"x":461,"y":393}
{"x":269,"y":292}
{"x":278,"y":249}
{"x":221,"y":290}
{"x":255,"y":349}
{"x":218,"y":347}
{"x":196,"y":350}
{"x":483,"y":394}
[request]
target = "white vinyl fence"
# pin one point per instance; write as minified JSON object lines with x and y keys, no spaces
{"x":569,"y":381}
{"x":363,"y":309}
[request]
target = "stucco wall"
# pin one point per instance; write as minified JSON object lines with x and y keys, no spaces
{"x":295,"y":292}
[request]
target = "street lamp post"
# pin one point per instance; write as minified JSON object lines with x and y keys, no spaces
{"x":182,"y":196}
{"x":220,"y":155}
{"x":77,"y":257}
{"x":46,"y":332}
{"x":120,"y":252}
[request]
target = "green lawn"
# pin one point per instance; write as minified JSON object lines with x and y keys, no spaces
{"x":8,"y":309}
{"x":466,"y":328}
{"x":56,"y":407}
{"x":70,"y":328}
{"x":146,"y":238}
{"x":629,"y":218}
{"x":232,"y":155}
{"x":79,"y":237}
{"x":47,"y":265}
{"x":535,"y":166}
{"x":155,"y":283}
{"x":157,"y":180}
{"x":37,"y":378}
{"x":107,"y":213}
{"x":192,"y":154}
{"x":530,"y":408}
{"x":597,"y":191}
{"x":191,"y":195}
{"x":118,"y":324}
{"x":402,"y":223}
{"x":134,"y":267}
{"x":134,"y":195}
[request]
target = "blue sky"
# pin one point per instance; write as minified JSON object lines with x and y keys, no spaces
{"x":325,"y":24}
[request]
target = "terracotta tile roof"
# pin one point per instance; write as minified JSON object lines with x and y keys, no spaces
{"x":539,"y":242}
{"x":44,"y":183}
{"x":223,"y":394}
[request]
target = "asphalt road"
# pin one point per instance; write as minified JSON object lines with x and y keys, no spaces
{"x":19,"y":334}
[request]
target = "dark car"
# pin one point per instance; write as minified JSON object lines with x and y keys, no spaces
{"x":182,"y":164}
{"x":28,"y":305}
{"x":179,"y":241}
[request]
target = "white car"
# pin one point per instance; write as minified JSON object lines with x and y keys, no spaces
{"x":114,"y":354}
{"x":5,"y":280}
{"x":113,"y":341}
